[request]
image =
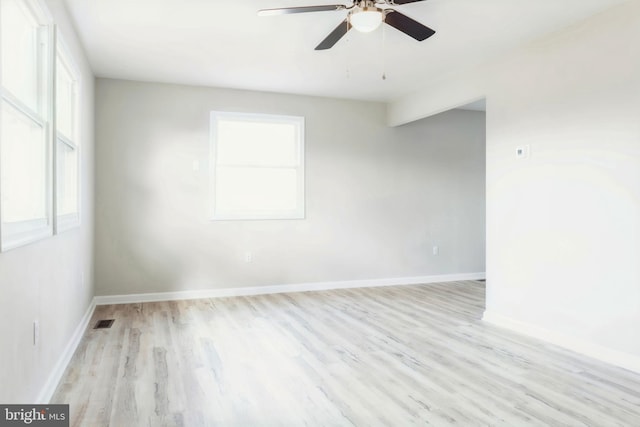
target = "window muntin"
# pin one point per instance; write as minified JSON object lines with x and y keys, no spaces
{"x":257,"y":166}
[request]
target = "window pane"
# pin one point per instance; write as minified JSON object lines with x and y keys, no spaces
{"x":258,"y":166}
{"x":20,"y":52}
{"x":255,"y":189}
{"x":244,"y":142}
{"x":64,"y":100}
{"x":67,"y":179}
{"x":24,"y":169}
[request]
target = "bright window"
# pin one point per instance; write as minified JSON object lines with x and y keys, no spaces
{"x":21,"y":36}
{"x":24,"y":155}
{"x":257,"y":166}
{"x":66,"y":147}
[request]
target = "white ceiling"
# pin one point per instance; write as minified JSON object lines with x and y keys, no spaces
{"x":225,"y":44}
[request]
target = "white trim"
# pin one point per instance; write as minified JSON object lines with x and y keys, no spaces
{"x":67,"y":222}
{"x":278,"y":289}
{"x":66,"y":141}
{"x":23,"y":108}
{"x":584,"y":347}
{"x":46,"y":393}
{"x":40,"y":229}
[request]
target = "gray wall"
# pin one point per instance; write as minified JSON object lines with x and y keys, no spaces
{"x":377,"y":198}
{"x":563,"y":226}
{"x":50,"y":280}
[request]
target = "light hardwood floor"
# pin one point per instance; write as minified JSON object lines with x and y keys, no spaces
{"x":397,"y":356}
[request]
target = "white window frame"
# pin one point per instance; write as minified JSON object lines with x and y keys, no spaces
{"x":13,"y":235}
{"x":298,"y":122}
{"x":71,"y":220}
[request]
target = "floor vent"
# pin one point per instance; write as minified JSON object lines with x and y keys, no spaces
{"x":104,"y":324}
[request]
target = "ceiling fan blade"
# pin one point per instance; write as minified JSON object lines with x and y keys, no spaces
{"x":407,"y":25}
{"x":303,"y":9}
{"x":335,"y":35}
{"x":405,"y":1}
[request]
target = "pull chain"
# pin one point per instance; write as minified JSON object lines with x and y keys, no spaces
{"x":384,"y":62}
{"x":347,"y":38}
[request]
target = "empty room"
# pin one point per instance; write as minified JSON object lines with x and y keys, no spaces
{"x":288,"y":213}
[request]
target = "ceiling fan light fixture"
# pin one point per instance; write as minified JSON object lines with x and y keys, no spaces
{"x":366,"y":19}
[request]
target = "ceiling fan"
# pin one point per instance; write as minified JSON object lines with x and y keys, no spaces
{"x":364,"y":16}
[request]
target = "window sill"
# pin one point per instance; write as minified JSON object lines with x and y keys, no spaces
{"x":67,"y":222}
{"x":39,"y":230}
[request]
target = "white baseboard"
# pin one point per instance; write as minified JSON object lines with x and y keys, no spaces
{"x":46,"y":393}
{"x":277,"y":289}
{"x":584,"y":347}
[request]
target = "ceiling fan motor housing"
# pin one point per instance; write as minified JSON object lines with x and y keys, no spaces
{"x":366,"y":17}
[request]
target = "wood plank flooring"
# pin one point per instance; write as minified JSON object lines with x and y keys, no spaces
{"x":396,"y":356}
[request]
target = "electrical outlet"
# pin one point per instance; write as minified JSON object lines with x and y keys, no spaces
{"x":36,"y":333}
{"x":248,"y":257}
{"x":436,"y":250}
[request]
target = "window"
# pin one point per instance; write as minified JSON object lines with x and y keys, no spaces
{"x":257,"y":166}
{"x":66,"y":147}
{"x":25,"y":192}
